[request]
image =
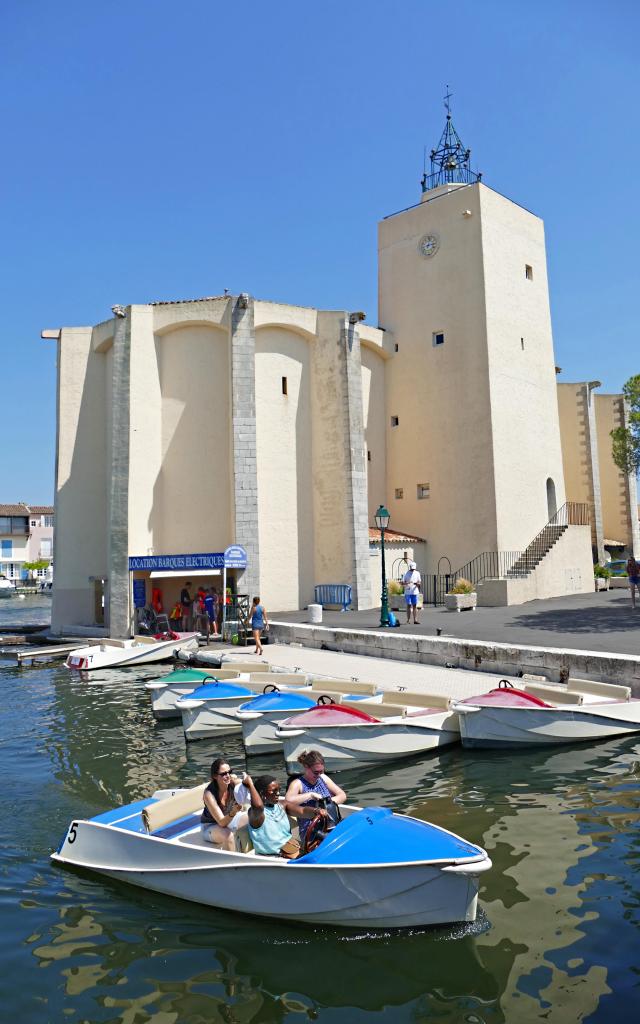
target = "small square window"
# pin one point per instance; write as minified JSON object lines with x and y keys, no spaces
{"x":399,"y":493}
{"x":285,"y":387}
{"x":528,"y":272}
{"x":438,"y":338}
{"x":424,"y":491}
{"x":395,"y":421}
{"x":33,"y":522}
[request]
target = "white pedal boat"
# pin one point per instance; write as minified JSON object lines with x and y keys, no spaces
{"x":375,"y":870}
{"x":141,"y":650}
{"x":348,"y":735}
{"x":548,"y":715}
{"x":166,"y":692}
{"x":209,"y":710}
{"x":261,"y":717}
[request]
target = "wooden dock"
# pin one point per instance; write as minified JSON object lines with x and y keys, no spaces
{"x":28,"y":654}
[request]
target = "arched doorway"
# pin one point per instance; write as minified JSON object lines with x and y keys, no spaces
{"x":552,"y":507}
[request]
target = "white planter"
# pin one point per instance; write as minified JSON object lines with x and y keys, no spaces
{"x":600,"y":583}
{"x":461,"y":602}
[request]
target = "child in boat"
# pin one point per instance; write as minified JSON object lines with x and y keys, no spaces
{"x":271,"y":836}
{"x":223,"y":812}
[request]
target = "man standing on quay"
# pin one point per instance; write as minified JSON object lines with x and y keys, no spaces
{"x":412,"y":580}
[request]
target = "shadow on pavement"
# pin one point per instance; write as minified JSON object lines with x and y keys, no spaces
{"x":616,"y":616}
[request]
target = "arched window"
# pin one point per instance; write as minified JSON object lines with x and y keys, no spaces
{"x":552,"y":507}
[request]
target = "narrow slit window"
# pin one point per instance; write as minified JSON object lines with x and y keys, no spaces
{"x":438,"y":338}
{"x":395,"y":421}
{"x":397,"y":347}
{"x":528,"y":272}
{"x":424,"y":491}
{"x":285,"y":386}
{"x":399,"y":493}
{"x":368,"y":456}
{"x":522,"y":344}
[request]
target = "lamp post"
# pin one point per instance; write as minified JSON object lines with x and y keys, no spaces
{"x":382,"y":518}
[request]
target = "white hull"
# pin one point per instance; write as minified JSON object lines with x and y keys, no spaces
{"x":139,"y":651}
{"x":259,"y":732}
{"x":164,"y":699}
{"x":517,"y":727}
{"x":212,"y":718}
{"x":376,"y":896}
{"x":345,"y":745}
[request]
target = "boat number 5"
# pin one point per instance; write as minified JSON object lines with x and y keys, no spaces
{"x":71,"y":838}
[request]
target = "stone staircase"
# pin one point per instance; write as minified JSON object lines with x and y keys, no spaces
{"x":536,"y":551}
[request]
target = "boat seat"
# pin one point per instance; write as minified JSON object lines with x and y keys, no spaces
{"x":419,"y":700}
{"x":613,"y":691}
{"x":374,"y":709}
{"x":552,"y":694}
{"x":163,"y":812}
{"x":108,"y":642}
{"x":330,"y":686}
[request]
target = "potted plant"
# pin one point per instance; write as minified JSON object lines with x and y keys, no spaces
{"x":602,"y":576}
{"x":462,"y":596}
{"x":395,"y":592}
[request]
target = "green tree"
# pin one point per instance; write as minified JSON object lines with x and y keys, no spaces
{"x":626,"y":440}
{"x":42,"y":563}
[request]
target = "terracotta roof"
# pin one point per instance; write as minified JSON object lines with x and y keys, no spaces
{"x":25,"y":510}
{"x":394,"y":536}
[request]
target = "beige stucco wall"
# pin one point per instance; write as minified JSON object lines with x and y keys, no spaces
{"x":440,"y":394}
{"x":374,"y":411}
{"x":522,"y":381}
{"x":466,"y":408}
{"x":614,"y":485}
{"x":573,"y":437}
{"x":80,"y":541}
{"x":566,"y":569}
{"x":285,"y":491}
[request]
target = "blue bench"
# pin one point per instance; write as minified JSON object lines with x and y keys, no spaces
{"x":334,"y":593}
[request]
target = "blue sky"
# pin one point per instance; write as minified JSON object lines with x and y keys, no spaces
{"x":160,"y":150}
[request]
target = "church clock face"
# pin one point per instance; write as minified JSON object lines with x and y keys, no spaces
{"x":428,"y":245}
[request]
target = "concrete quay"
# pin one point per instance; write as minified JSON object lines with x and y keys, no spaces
{"x":501,"y":645}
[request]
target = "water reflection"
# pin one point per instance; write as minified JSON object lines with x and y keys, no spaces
{"x":560,"y":910}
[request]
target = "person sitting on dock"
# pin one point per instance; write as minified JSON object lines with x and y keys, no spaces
{"x":223,"y":815}
{"x":270,"y":830}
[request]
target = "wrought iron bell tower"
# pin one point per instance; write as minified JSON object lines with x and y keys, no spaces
{"x":450,"y":162}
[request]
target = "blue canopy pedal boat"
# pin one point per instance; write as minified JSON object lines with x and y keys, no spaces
{"x":376,"y":869}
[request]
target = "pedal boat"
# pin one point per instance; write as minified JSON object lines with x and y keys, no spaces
{"x":261,"y":716}
{"x":346,"y":734}
{"x":376,"y":869}
{"x":545,"y":715}
{"x":166,"y":692}
{"x":141,"y":650}
{"x":210,"y":709}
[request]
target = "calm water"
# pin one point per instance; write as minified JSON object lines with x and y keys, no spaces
{"x":557,"y":937}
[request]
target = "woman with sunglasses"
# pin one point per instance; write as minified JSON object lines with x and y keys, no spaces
{"x":305,"y":789}
{"x":223,"y":799}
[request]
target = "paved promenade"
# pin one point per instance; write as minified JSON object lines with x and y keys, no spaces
{"x":388,"y":674}
{"x":602,"y":622}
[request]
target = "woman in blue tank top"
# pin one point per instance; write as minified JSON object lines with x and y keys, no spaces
{"x":258,"y":623}
{"x":304,"y":790}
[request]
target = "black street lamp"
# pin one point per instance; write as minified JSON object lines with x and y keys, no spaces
{"x":382,"y":518}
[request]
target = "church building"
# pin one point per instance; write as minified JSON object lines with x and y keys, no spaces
{"x":190,"y":429}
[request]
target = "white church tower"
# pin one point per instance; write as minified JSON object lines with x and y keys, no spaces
{"x":474,"y":461}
